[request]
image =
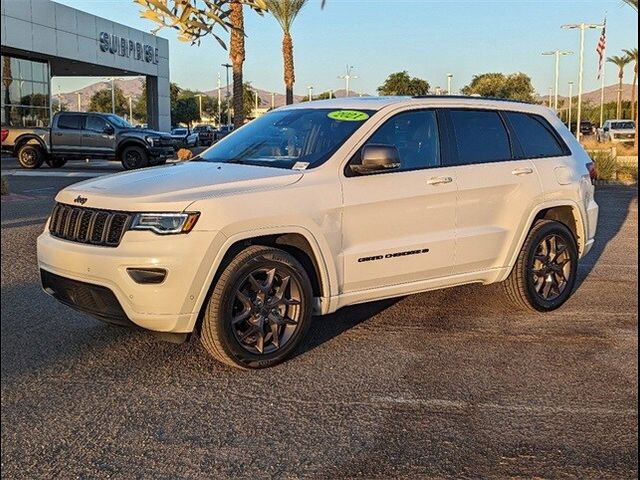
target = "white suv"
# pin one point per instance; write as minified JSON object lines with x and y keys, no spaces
{"x":325,"y":204}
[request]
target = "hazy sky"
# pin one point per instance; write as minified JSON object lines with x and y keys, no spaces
{"x":428,"y":38}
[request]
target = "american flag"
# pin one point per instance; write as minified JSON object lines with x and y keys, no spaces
{"x":601,"y":48}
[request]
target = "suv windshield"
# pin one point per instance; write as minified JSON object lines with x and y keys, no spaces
{"x":300,"y":138}
{"x":623,"y":125}
{"x":119,"y":121}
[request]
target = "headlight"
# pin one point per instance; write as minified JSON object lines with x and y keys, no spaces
{"x":151,"y":140}
{"x":165,"y":223}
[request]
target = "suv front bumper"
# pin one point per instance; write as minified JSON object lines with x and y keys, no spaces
{"x":94,"y":279}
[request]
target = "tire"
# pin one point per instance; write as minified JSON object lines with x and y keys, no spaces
{"x":54,"y":162}
{"x":536,"y":272}
{"x":236,"y":296}
{"x":134,"y":157}
{"x":30,"y":156}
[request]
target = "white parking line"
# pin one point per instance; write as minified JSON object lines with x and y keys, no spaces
{"x":45,"y":173}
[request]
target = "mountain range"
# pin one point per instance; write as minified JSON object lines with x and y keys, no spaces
{"x":133,"y":87}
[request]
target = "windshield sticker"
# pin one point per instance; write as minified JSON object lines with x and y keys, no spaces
{"x":348,"y":115}
{"x":300,"y":166}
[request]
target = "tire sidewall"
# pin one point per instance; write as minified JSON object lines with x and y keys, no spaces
{"x":535,"y":300}
{"x":230,"y":344}
{"x":37,"y":150}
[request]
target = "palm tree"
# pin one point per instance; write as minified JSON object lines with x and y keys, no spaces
{"x":632,"y":54}
{"x":620,"y":62}
{"x":237,"y":56}
{"x":285,"y":12}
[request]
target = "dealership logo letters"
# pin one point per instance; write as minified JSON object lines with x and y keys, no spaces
{"x":128,"y":48}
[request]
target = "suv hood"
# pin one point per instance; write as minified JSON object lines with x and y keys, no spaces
{"x":173,"y":187}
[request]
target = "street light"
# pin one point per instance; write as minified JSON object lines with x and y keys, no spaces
{"x":228,"y":66}
{"x":449,"y":79}
{"x":310,"y":88}
{"x":570,"y":104}
{"x":79,"y":101}
{"x":130,"y":108}
{"x":113,"y":95}
{"x":550,"y":97}
{"x":582,"y":27}
{"x":219,"y":101}
{"x":347,"y":77}
{"x":557,"y":54}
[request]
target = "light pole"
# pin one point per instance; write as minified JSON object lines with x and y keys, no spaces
{"x":330,"y":94}
{"x":550,"y":97}
{"x":273,"y":100}
{"x":130,"y":108}
{"x":219,"y":101}
{"x":557,"y":54}
{"x":257,"y":103}
{"x":228,"y":95}
{"x":200,"y":105}
{"x":310,"y":88}
{"x":449,"y":79}
{"x":582,"y":26}
{"x":79,"y":101}
{"x":570,"y":104}
{"x":347,"y":77}
{"x":113,"y":95}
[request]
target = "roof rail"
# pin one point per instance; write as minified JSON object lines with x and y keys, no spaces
{"x":469,"y":97}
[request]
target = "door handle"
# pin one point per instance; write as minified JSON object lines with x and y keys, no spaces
{"x":439,"y":180}
{"x":522,"y":171}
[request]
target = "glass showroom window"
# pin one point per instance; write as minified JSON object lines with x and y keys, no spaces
{"x":25,"y":92}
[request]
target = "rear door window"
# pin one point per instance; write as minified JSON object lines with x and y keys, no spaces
{"x":480,"y":136}
{"x":71,"y":122}
{"x":535,"y":135}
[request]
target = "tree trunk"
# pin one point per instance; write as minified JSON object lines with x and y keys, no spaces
{"x":619,"y":106}
{"x":289,"y":74}
{"x":236,"y":54}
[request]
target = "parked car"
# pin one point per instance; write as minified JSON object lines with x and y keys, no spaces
{"x":586,"y":127}
{"x":617,"y":131}
{"x":206,"y":134}
{"x":222,"y":132}
{"x":183,"y":137}
{"x":81,"y":135}
{"x":320,"y":205}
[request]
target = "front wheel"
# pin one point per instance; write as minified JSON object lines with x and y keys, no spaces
{"x":259,"y":310}
{"x":31,"y":156}
{"x":134,"y":157}
{"x":544,"y":275}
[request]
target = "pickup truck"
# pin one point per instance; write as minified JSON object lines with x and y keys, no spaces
{"x":75,"y":135}
{"x":617,"y":131}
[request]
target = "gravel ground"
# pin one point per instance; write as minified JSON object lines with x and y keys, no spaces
{"x":443,"y":384}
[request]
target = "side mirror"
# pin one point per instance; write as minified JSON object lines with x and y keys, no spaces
{"x":108,"y":129}
{"x":376,"y":158}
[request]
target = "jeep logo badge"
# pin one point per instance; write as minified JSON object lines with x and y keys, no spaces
{"x":80,"y":199}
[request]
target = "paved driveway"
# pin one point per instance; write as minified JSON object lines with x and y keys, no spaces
{"x":443,"y":384}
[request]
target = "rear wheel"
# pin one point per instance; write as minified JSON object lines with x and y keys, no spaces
{"x":31,"y":156}
{"x":260,"y":309}
{"x":134,"y":157}
{"x":56,"y":162}
{"x":545,"y":273}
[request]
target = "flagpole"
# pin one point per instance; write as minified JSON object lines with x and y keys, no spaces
{"x":603,"y":71}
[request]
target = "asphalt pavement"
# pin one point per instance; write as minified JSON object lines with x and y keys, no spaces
{"x":447,"y":384}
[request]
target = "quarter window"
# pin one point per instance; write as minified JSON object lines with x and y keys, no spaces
{"x":70,"y":122}
{"x":480,"y":136}
{"x":415,"y":135}
{"x":535,"y":137}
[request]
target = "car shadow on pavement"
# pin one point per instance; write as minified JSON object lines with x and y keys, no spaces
{"x":610,"y":221}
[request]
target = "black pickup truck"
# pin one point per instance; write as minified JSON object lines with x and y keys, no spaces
{"x":75,"y":135}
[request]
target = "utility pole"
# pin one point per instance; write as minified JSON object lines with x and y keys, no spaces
{"x":79,"y":101}
{"x":347,"y":77}
{"x":557,"y":54}
{"x":228,"y":94}
{"x":582,"y":27}
{"x":570,"y":104}
{"x":200,"y":105}
{"x":449,"y":79}
{"x":113,"y":95}
{"x":219,"y":101}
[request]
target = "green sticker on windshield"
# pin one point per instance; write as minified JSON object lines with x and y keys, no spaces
{"x":348,"y":115}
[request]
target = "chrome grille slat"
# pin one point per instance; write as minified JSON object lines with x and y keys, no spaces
{"x":88,"y":225}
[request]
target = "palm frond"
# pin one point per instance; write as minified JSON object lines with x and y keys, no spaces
{"x":285,"y":11}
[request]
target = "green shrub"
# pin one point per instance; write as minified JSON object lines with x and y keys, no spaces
{"x":606,"y":164}
{"x":5,"y":186}
{"x":627,"y":172}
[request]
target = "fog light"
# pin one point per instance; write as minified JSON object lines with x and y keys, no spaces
{"x":147,"y":275}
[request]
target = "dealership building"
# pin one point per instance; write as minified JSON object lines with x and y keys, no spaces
{"x":43,"y":39}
